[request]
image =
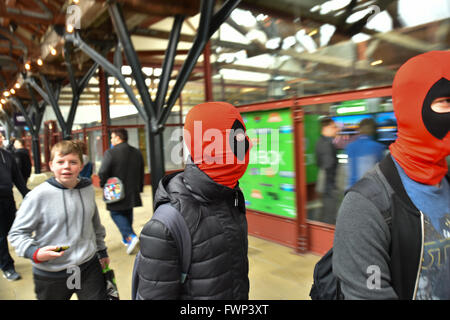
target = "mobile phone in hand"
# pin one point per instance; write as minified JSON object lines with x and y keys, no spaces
{"x":61,"y":248}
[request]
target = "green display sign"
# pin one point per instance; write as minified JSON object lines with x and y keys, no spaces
{"x":352,"y":107}
{"x":269,"y":182}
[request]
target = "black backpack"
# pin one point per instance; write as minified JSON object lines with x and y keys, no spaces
{"x":179,"y":230}
{"x":326,"y":285}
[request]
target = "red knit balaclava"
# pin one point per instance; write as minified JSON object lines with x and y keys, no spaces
{"x":423,"y":135}
{"x":214,"y":133}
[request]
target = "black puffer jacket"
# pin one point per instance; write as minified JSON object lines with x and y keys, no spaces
{"x":215,"y":216}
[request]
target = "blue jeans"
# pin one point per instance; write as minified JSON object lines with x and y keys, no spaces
{"x":124,"y":221}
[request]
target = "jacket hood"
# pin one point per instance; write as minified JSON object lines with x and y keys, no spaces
{"x":214,"y":133}
{"x":196,"y":182}
{"x":423,"y":140}
{"x":84,"y":182}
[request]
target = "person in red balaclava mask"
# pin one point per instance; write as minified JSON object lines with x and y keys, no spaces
{"x":207,"y":196}
{"x":215,"y":137}
{"x":393,"y":228}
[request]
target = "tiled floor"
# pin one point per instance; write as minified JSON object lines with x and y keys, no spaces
{"x":276,"y":272}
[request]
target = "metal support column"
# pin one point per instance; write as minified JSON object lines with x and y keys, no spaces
{"x":39,"y":109}
{"x":155,"y":114}
{"x":34,"y":130}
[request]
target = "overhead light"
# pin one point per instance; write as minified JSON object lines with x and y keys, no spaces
{"x":315,"y":8}
{"x":17,"y":85}
{"x":313,"y":32}
{"x":306,"y":41}
{"x":6,"y":93}
{"x":27,"y":66}
{"x":40,"y":62}
{"x":126,"y":70}
{"x":243,"y":17}
{"x":147,"y":71}
{"x":70,"y":28}
{"x":273,"y":43}
{"x":261,"y":17}
{"x":377,"y":62}
{"x":288,"y":42}
{"x":157,"y":72}
{"x":53,"y":51}
{"x":256,"y":34}
{"x":360,"y":37}
{"x":3,"y":101}
{"x":12,"y":91}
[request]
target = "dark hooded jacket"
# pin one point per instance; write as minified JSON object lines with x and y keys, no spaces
{"x":125,"y":162}
{"x":9,"y":174}
{"x":215,"y":216}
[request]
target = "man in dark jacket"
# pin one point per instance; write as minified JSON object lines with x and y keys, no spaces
{"x":9,"y":174}
{"x":125,"y":162}
{"x":22,"y":158}
{"x":327,"y":162}
{"x":208,"y":197}
{"x":393,"y":242}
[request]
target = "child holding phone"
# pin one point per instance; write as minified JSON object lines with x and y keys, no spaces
{"x":58,"y":227}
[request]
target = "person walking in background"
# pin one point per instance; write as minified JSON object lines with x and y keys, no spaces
{"x":23,"y":160}
{"x":86,"y":172}
{"x":364,"y":152}
{"x":10,"y":147}
{"x":207,"y":196}
{"x":125,"y":162}
{"x":393,"y":228}
{"x":327,"y":162}
{"x":58,"y":227}
{"x":9,"y":174}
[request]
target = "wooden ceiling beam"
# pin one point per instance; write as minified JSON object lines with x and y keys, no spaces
{"x":162,"y":7}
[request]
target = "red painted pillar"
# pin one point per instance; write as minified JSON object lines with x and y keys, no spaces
{"x":301,"y":196}
{"x":104,"y":107}
{"x":207,"y":74}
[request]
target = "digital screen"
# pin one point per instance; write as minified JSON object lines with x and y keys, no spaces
{"x":348,"y":125}
{"x":386,"y":126}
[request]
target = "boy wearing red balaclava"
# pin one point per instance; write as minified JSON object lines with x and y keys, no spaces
{"x":208,"y":197}
{"x":393,"y":228}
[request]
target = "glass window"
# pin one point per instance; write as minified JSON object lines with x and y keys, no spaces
{"x":96,"y":149}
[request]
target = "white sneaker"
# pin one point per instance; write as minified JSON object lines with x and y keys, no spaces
{"x":132,"y":244}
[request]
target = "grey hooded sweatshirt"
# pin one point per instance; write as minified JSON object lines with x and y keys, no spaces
{"x":51,"y":214}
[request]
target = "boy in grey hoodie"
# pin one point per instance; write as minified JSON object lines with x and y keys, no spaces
{"x":58,"y":227}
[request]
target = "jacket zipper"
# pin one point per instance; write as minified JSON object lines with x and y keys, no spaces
{"x":421,"y":256}
{"x":236,"y":202}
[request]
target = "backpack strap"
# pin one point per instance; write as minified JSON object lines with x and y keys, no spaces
{"x":376,"y":193}
{"x":179,"y":230}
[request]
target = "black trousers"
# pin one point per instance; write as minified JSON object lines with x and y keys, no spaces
{"x":7,"y":216}
{"x":92,"y":285}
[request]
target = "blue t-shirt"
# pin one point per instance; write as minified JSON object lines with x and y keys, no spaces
{"x":363,"y":154}
{"x":434,"y":203}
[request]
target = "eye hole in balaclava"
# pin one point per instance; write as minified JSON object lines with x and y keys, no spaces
{"x":438,"y":124}
{"x":238,"y":140}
